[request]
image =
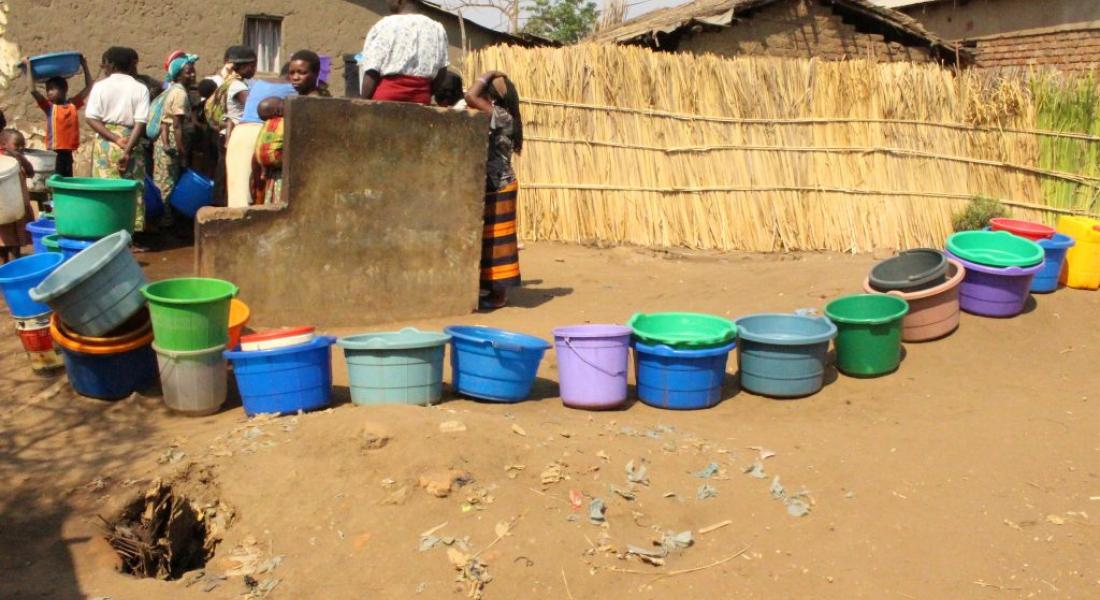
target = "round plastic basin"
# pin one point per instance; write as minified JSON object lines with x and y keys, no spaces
{"x":868,"y":341}
{"x":91,"y":208}
{"x":190,"y":313}
{"x":682,"y":330}
{"x":994,"y":249}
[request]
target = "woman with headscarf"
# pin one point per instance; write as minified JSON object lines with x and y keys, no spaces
{"x":118,"y":110}
{"x":403,"y":56}
{"x":170,"y":157}
{"x":494,"y":93}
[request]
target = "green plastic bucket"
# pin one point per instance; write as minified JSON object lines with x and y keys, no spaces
{"x":51,"y":243}
{"x":190,"y":313}
{"x":92,"y":208}
{"x":868,"y":340}
{"x":682,"y":330}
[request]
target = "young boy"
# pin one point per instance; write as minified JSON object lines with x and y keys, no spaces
{"x":62,"y":116}
{"x":13,"y":236}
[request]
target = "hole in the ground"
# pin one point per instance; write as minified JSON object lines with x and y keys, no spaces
{"x":162,"y":534}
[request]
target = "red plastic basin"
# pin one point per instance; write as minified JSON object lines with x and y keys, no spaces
{"x":1024,"y":229}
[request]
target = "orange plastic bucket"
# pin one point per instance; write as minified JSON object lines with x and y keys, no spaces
{"x":239,"y":314}
{"x":100,"y":346}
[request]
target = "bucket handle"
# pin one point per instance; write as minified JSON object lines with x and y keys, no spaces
{"x":569,"y":342}
{"x":498,"y":345}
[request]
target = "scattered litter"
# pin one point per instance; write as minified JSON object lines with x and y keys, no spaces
{"x":798,"y":505}
{"x":516,"y":429}
{"x":452,"y":427}
{"x":669,"y":495}
{"x":707,"y":473}
{"x":777,"y":489}
{"x":756,"y":470}
{"x":706,"y":491}
{"x":715,"y":527}
{"x":627,"y":494}
{"x":596,"y":510}
{"x":637,"y":474}
{"x":171,"y":456}
{"x":669,"y":543}
{"x":655,"y":556}
{"x":677,"y":541}
{"x":472,"y":572}
{"x":553,"y":473}
{"x":388,"y":482}
{"x":576,"y":499}
{"x":1055,"y":520}
{"x":565,"y":434}
{"x":441,"y":483}
{"x":209,"y":580}
{"x":762,"y":452}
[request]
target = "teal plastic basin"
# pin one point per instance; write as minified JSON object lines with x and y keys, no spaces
{"x":995,"y":249}
{"x":400,"y":367}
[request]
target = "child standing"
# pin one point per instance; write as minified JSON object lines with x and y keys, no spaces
{"x":62,"y":116}
{"x":13,"y":236}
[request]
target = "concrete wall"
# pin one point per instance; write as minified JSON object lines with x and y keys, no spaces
{"x":1064,"y":34}
{"x":383,"y":218}
{"x":956,"y":20}
{"x":206,"y":28}
{"x":802,"y":29}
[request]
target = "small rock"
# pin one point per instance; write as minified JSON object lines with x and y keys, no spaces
{"x":516,"y":429}
{"x":441,"y":483}
{"x":452,"y":427}
{"x":373,"y":437}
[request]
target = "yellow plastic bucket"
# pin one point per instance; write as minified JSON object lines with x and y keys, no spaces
{"x":1082,"y":270}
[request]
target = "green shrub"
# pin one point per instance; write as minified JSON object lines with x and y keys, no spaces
{"x":977,"y":214}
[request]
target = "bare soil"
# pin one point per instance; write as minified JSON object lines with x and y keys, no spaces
{"x":972,"y":472}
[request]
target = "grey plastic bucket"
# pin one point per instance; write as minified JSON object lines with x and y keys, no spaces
{"x":402,"y":367}
{"x":194,"y":381}
{"x":783,"y":355}
{"x":98,"y":289}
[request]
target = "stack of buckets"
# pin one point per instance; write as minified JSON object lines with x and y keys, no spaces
{"x":929,"y":283}
{"x":1000,"y":270}
{"x":190,"y":319}
{"x":680,"y":358}
{"x":99,"y":319}
{"x":283,"y":371}
{"x":31,"y":319}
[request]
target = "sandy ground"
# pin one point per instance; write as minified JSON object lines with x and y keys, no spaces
{"x":972,"y":472}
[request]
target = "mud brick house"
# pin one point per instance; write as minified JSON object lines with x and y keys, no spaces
{"x":1064,"y":34}
{"x":827,"y":29}
{"x":275,"y":28}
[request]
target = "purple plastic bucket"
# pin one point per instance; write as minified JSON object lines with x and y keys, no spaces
{"x":592,"y":364}
{"x":995,"y":291}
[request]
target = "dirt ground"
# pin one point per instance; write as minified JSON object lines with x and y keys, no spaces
{"x":972,"y":472}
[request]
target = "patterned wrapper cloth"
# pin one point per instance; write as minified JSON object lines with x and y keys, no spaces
{"x":499,"y":246}
{"x":105,"y":157}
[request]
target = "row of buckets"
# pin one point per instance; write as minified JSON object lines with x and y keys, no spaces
{"x":116,"y":331}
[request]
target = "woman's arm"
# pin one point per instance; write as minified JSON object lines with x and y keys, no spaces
{"x":101,"y":129}
{"x":128,"y":147}
{"x":370,"y":84}
{"x":28,"y":168}
{"x":475,"y":96}
{"x":177,"y":133}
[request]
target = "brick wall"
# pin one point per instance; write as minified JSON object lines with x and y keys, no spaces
{"x":802,"y":29}
{"x":1066,"y":50}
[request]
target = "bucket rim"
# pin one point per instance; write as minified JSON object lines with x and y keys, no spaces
{"x":102,"y":340}
{"x":587,"y":331}
{"x":378,"y":340}
{"x":85,"y":184}
{"x":1058,"y":241}
{"x":665,"y":350}
{"x":1004,"y":271}
{"x":692,"y":342}
{"x":808,"y":340}
{"x":321,"y":341}
{"x":116,"y":243}
{"x":241,"y":321}
{"x":953,"y":280}
{"x":53,"y":258}
{"x":230,"y":291}
{"x":97,"y":349}
{"x":896,"y":315}
{"x":489,"y":336}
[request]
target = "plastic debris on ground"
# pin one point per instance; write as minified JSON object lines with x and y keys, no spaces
{"x":706,"y":491}
{"x":637,"y":473}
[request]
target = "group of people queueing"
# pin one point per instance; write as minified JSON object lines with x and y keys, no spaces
{"x":230,"y":125}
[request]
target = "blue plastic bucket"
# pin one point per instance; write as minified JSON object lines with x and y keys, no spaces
{"x":56,"y":64}
{"x":285,"y":380}
{"x":1046,"y":280}
{"x":20,"y":275}
{"x":680,"y":379}
{"x":492,"y":364}
{"x":108,"y":368}
{"x":154,"y":201}
{"x":402,"y":367}
{"x":783,"y":355}
{"x":192,"y":192}
{"x":38,"y":230}
{"x":98,"y":289}
{"x":70,"y":247}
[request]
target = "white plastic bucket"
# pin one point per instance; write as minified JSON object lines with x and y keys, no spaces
{"x":44,"y":163}
{"x":194,"y":382}
{"x":11,"y":191}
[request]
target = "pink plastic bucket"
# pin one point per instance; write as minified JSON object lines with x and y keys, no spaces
{"x":592,"y":364}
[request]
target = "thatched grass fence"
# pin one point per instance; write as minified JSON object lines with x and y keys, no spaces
{"x":625,"y":145}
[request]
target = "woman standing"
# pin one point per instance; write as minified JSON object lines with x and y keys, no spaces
{"x":117,"y":110}
{"x":170,"y":158}
{"x":403,"y":55}
{"x":495,"y":94}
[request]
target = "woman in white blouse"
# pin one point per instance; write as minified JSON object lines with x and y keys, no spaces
{"x":403,"y":55}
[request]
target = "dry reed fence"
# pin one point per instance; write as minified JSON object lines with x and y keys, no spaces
{"x":625,"y":145}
